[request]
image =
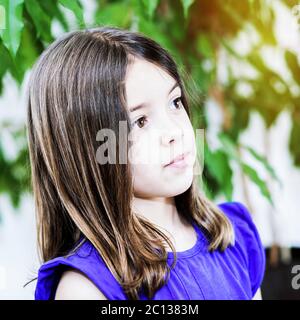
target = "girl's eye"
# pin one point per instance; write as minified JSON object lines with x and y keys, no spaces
{"x":140,"y":122}
{"x":176,"y":101}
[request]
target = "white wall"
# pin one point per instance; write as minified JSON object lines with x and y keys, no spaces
{"x":18,"y":257}
{"x":18,"y":254}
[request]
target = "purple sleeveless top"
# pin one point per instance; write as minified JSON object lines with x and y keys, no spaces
{"x":235,"y":273}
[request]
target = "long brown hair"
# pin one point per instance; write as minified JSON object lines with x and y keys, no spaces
{"x":77,"y":88}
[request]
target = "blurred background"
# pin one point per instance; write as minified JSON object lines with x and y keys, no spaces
{"x":240,"y":61}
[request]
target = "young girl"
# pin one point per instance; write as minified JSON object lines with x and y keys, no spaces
{"x":127,"y":223}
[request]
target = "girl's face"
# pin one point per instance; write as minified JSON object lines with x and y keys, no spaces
{"x":161,"y":130}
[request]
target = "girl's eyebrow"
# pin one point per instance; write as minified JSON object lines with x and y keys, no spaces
{"x":143,"y":105}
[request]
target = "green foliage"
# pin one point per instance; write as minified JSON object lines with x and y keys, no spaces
{"x":232,"y":151}
{"x":219,"y":168}
{"x":186,"y":4}
{"x":150,"y":6}
{"x":195,"y":32}
{"x":11,"y":35}
{"x":76,"y":7}
{"x":15,"y":173}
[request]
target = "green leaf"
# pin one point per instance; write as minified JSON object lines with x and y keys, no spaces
{"x":53,"y":12}
{"x":114,"y":14}
{"x":29,"y":50}
{"x":150,"y":5}
{"x":76,"y":7}
{"x":5,"y":62}
{"x":264,"y":162}
{"x":11,"y":34}
{"x":2,"y":18}
{"x":229,"y":146}
{"x":40,"y":19}
{"x":218,"y":165}
{"x":230,"y":149}
{"x":204,"y":46}
{"x":228,"y":47}
{"x":294,"y":141}
{"x":252,"y":174}
{"x":186,"y":4}
{"x":292,"y":62}
{"x":204,"y":186}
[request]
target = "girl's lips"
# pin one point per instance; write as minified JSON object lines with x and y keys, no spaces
{"x":179,"y":162}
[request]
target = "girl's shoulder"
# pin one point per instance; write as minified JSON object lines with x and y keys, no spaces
{"x":85,"y":259}
{"x":247,"y":241}
{"x":238,"y":214}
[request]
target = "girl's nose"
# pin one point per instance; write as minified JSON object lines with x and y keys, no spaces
{"x":168,"y":137}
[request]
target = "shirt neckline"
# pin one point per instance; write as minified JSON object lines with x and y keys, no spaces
{"x":200,"y":245}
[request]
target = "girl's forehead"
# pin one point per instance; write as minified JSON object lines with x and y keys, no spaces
{"x":145,"y":79}
{"x":146,"y":71}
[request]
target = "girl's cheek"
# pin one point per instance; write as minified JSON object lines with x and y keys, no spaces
{"x":139,"y":151}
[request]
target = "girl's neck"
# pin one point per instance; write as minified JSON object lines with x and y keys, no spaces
{"x":163,"y":213}
{"x":160,"y":211}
